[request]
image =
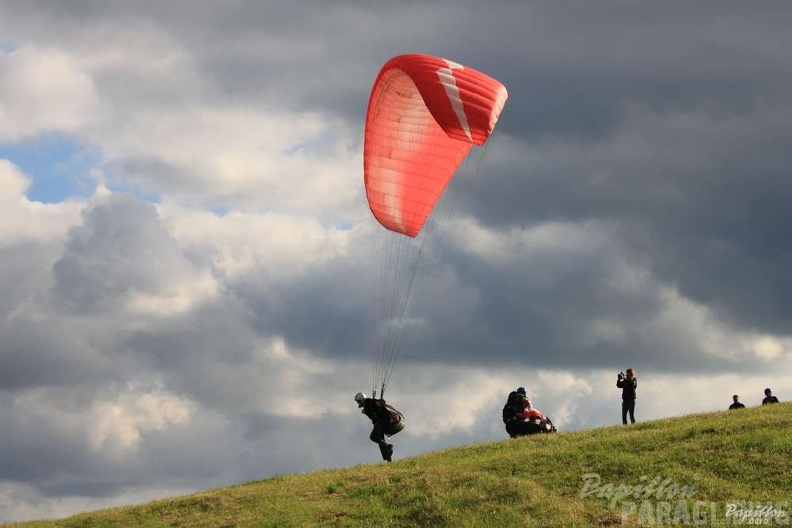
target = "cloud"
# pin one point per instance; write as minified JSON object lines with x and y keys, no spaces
{"x":122,"y":258}
{"x":270,"y":246}
{"x":43,"y":90}
{"x":25,"y":220}
{"x":237,"y":157}
{"x":120,"y":422}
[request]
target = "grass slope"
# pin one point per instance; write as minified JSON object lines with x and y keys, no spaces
{"x":532,"y":481}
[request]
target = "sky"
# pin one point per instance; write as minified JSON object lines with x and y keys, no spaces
{"x":185,"y":244}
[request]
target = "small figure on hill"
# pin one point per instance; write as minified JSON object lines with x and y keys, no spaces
{"x":628,"y":384}
{"x":514,"y":405}
{"x":769,"y":398}
{"x":386,"y":419}
{"x":521,"y":418}
{"x":737,"y":404}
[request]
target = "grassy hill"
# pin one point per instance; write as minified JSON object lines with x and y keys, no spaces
{"x":707,"y":462}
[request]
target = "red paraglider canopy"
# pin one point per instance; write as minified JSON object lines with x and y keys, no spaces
{"x":424,"y":115}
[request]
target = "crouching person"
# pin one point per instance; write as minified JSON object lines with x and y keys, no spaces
{"x":386,"y":419}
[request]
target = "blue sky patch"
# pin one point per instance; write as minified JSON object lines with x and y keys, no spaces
{"x":59,"y":167}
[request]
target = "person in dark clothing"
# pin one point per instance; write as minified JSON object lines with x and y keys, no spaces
{"x":517,"y":406}
{"x":376,"y":410}
{"x":769,"y":398}
{"x":628,"y":384}
{"x":736,"y":404}
{"x":510,"y":410}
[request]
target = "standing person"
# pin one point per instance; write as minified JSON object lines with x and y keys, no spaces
{"x":628,"y":384}
{"x":736,"y":404}
{"x":386,"y":420}
{"x":769,"y":398}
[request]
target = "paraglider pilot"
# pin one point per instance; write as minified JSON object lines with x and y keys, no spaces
{"x":386,"y":420}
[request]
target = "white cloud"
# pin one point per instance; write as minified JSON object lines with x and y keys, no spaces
{"x":43,"y":89}
{"x":118,"y":423}
{"x":13,"y":183}
{"x":244,"y":157}
{"x":552,"y":240}
{"x":19,"y":502}
{"x":180,"y":296}
{"x":662,"y":395}
{"x":769,"y":348}
{"x":458,"y":411}
{"x":294,"y":372}
{"x":21,"y":218}
{"x":112,"y":423}
{"x":276,"y":246}
{"x":560,"y":393}
{"x":681,"y":316}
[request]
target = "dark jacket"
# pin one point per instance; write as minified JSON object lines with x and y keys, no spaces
{"x":375,"y":410}
{"x":769,"y":399}
{"x":628,"y":387}
{"x":510,"y":409}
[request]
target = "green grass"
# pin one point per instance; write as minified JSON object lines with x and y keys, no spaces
{"x":531,"y":481}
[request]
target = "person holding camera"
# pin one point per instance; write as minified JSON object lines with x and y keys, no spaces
{"x":628,"y":384}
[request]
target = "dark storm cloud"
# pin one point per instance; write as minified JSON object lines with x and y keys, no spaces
{"x":569,"y":67}
{"x":208,"y":356}
{"x":700,"y":198}
{"x":549,"y":309}
{"x":23,"y":266}
{"x":40,"y":448}
{"x":726,"y":241}
{"x":61,"y":353}
{"x":328,"y":311}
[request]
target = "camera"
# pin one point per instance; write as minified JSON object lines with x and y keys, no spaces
{"x":621,"y":374}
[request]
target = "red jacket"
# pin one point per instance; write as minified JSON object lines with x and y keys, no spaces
{"x":529,"y":412}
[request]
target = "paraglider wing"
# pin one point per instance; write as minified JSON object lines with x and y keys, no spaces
{"x":424,"y":115}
